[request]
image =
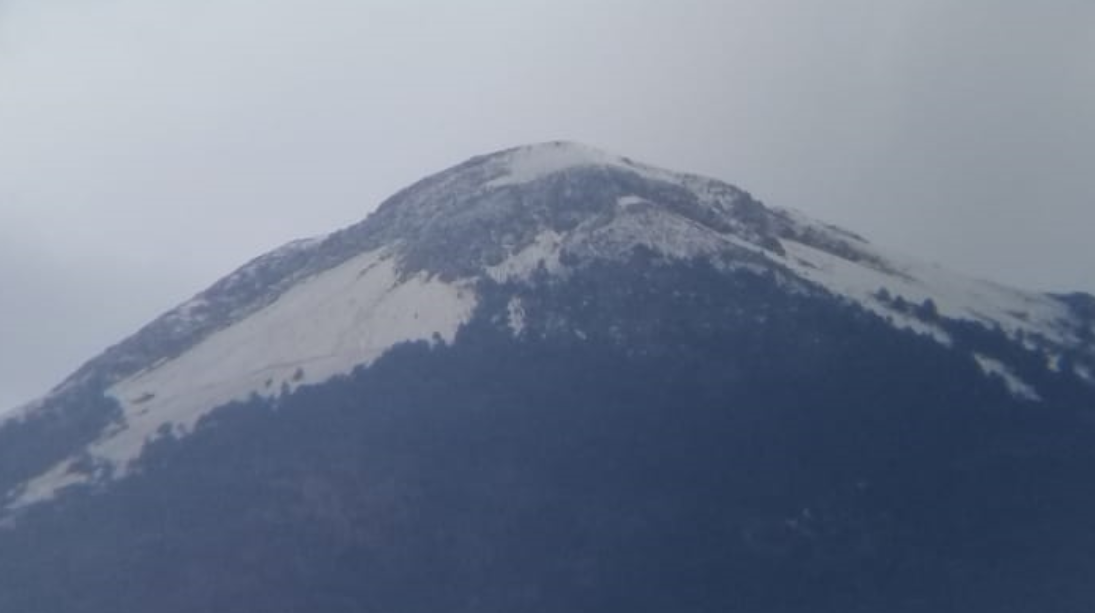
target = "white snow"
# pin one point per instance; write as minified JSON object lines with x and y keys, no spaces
{"x":46,"y":486}
{"x":858,"y":283}
{"x":1018,"y":388}
{"x":1053,"y":362}
{"x":673,"y":236}
{"x":657,"y":229}
{"x":543,"y":250}
{"x":527,"y":164}
{"x":516,"y":312}
{"x":325,"y":326}
{"x":955,"y":296}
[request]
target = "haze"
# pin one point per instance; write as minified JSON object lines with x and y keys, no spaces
{"x":146,"y":149}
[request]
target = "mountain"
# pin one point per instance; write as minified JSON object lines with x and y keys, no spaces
{"x":552,"y":378}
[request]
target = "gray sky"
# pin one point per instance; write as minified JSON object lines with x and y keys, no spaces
{"x":147,"y":148}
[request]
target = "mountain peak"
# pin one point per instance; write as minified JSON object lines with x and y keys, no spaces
{"x":531,"y":162}
{"x":479,"y":213}
{"x":414,"y":269}
{"x":555,"y":327}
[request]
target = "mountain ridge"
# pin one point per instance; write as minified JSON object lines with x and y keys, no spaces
{"x":554,"y":380}
{"x":412,"y":265}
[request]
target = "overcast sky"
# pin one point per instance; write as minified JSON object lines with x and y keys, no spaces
{"x":147,"y":148}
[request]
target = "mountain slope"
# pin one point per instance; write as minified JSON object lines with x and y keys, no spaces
{"x":525,"y":378}
{"x":318,"y":308}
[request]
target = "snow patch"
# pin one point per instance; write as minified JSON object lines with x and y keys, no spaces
{"x":324,"y":326}
{"x":544,"y":249}
{"x":1016,"y":312}
{"x":1018,"y":388}
{"x":516,"y":312}
{"x":858,"y":283}
{"x":659,"y":230}
{"x":528,"y":164}
{"x":1053,"y":362}
{"x":46,"y":486}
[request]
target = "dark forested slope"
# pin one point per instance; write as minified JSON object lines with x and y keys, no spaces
{"x":657,"y":436}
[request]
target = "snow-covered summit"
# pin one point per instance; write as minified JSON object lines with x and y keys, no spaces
{"x":525,"y":164}
{"x":319,"y":308}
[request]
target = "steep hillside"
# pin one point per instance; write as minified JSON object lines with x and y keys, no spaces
{"x":555,"y":379}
